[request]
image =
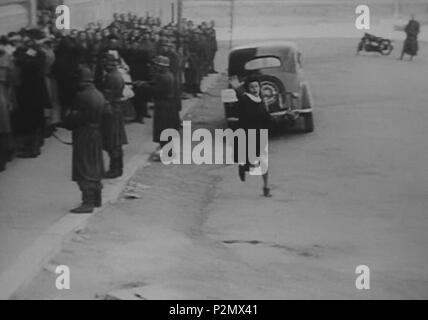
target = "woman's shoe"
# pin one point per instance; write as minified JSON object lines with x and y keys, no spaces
{"x":266,"y":193}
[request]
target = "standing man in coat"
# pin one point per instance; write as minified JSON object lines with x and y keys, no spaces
{"x":411,"y":46}
{"x":32,"y":97}
{"x":194,"y":65}
{"x":162,"y":89}
{"x":168,"y":50}
{"x":84,"y":121}
{"x":213,"y":46}
{"x":114,"y":124}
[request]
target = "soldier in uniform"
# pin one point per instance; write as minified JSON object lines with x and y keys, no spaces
{"x":193,"y":68}
{"x":84,"y":121}
{"x":168,"y":50}
{"x":213,"y":46}
{"x":162,"y":90}
{"x":114,"y":124}
{"x":205,"y":52}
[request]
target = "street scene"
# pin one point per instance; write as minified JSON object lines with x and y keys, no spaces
{"x":339,"y":213}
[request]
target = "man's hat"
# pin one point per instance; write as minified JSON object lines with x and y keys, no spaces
{"x":161,"y":61}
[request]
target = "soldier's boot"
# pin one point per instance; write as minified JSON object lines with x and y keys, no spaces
{"x":114,"y":171}
{"x":98,"y":199}
{"x":2,"y":162}
{"x":120,"y":165}
{"x":87,"y":205}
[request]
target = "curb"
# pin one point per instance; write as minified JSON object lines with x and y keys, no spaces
{"x":51,"y":241}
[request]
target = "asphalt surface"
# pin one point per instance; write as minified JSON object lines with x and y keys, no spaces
{"x":354,"y":192}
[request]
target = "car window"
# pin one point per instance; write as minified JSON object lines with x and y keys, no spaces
{"x":263,"y":62}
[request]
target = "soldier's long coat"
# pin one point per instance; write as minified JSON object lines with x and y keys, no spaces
{"x":175,"y":70}
{"x":166,"y":114}
{"x":85,"y":123}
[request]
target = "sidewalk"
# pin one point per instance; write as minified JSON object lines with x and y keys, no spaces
{"x":36,"y":195}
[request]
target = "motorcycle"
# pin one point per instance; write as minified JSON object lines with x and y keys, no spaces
{"x":371,"y":43}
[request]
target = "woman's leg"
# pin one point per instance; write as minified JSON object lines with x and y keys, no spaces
{"x":266,"y":189}
{"x":265,"y":180}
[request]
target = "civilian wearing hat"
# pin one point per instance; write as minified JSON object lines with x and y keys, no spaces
{"x":114,"y":124}
{"x":85,"y":123}
{"x":65,"y":71}
{"x":166,"y":115}
{"x":32,"y":98}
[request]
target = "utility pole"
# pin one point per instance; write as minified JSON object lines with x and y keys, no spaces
{"x":179,"y":14}
{"x":179,"y":22}
{"x":32,"y":13}
{"x":232,"y":22}
{"x":172,"y":12}
{"x":396,"y":9}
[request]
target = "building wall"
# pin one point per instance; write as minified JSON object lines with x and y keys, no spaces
{"x":13,"y":16}
{"x":84,"y":11}
{"x":14,"y":13}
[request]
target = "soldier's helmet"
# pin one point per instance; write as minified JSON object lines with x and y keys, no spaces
{"x":86,"y":75}
{"x":161,"y":61}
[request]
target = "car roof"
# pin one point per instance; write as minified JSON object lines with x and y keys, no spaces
{"x":273,"y":45}
{"x":285,"y":50}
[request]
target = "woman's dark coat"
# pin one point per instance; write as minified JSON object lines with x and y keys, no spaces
{"x":252,"y":115}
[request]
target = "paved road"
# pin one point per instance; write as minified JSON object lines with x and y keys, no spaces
{"x":353,"y":193}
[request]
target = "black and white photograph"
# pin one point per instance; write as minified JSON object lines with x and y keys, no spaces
{"x":213,"y":150}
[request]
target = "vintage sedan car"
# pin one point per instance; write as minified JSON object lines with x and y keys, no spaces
{"x":285,"y":91}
